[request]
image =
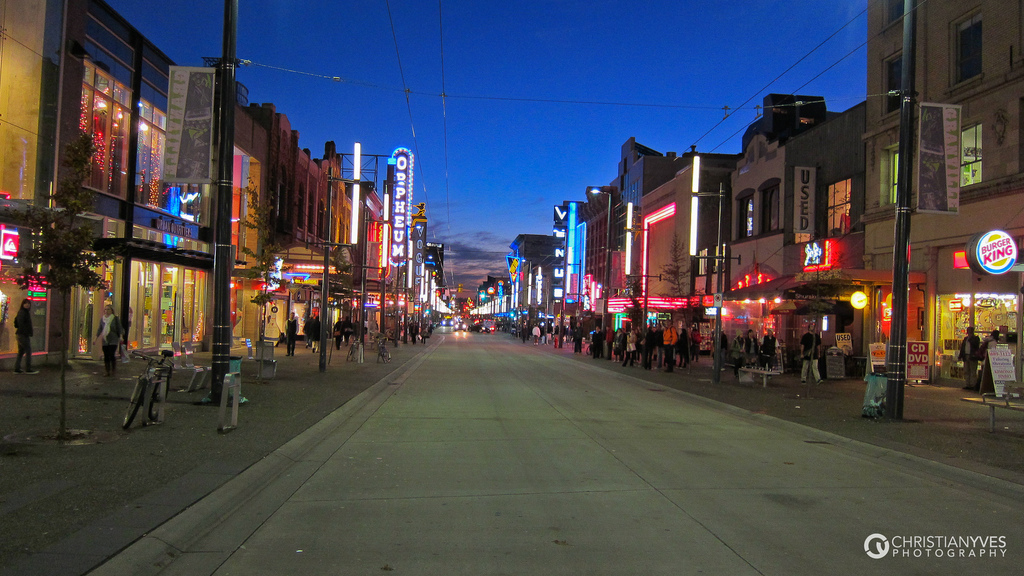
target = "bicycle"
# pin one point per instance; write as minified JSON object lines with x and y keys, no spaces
{"x":150,"y":388}
{"x":383,"y":354}
{"x":354,"y":352}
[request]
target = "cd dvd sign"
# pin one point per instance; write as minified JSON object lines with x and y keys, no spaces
{"x":993,"y":252}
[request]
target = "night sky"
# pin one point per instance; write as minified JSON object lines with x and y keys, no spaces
{"x":539,"y":95}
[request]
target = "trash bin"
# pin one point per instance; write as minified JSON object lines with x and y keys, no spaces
{"x":235,"y":364}
{"x":874,"y":395}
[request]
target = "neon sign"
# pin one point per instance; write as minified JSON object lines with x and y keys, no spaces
{"x":993,"y":252}
{"x":400,"y":200}
{"x":819,"y":256}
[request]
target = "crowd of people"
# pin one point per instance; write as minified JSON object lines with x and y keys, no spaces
{"x":666,"y":346}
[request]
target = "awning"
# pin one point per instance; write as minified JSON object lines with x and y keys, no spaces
{"x":770,"y":289}
{"x":856,"y":276}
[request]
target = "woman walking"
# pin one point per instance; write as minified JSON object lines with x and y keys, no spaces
{"x":109,"y":337}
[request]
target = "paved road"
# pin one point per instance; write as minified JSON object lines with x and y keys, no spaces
{"x":485,"y":456}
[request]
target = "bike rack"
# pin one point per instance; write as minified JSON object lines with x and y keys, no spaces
{"x":233,"y":388}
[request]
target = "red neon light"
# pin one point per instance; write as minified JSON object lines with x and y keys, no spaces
{"x":655,"y":216}
{"x":956,"y":305}
{"x":960,"y":260}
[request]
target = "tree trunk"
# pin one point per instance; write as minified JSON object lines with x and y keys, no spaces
{"x":62,"y":429}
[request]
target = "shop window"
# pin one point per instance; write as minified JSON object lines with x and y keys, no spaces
{"x":890,"y":172}
{"x":893,"y":83}
{"x":770,"y":209}
{"x":745,"y":216}
{"x":894,"y":11}
{"x":105,"y":116}
{"x":839,"y":208}
{"x":149,"y":168}
{"x":968,"y":49}
{"x":970,"y":155}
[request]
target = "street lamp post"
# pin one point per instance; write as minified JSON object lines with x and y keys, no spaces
{"x":719,"y":259}
{"x":608,"y":254}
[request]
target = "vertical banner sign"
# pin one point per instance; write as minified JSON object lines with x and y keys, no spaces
{"x":938,"y":161}
{"x":401,"y":198}
{"x":188,"y":153}
{"x":805,"y":183}
{"x":559,"y":231}
{"x":418,"y":235}
{"x":918,"y":365}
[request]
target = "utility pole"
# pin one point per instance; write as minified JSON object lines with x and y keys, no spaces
{"x":896,"y":356}
{"x":223,"y":260}
{"x":325,"y":286}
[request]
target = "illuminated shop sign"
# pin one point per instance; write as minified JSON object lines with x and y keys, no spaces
{"x":401,"y":198}
{"x":561,"y":224}
{"x":992,"y":252}
{"x":819,"y":256}
{"x":8,"y":243}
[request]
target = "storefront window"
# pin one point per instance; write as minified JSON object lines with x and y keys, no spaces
{"x":86,"y":312}
{"x":169,"y":305}
{"x":991,"y":312}
{"x":839,"y":208}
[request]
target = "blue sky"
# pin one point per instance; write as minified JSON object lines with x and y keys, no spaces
{"x":540,"y":95}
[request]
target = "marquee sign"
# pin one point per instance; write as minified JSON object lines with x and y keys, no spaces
{"x":401,"y":199}
{"x":993,"y":252}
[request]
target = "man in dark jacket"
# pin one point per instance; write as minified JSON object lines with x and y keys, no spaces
{"x":970,"y":353}
{"x":23,"y":333}
{"x":292,"y":334}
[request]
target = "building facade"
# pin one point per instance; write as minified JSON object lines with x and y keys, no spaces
{"x":970,"y":57}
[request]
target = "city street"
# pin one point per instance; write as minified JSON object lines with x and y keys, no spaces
{"x":487,"y":456}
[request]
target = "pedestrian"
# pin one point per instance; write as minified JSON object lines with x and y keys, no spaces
{"x":970,"y":354}
{"x":752,"y":349}
{"x":109,"y":338}
{"x":669,"y":337}
{"x":292,"y":334}
{"x":596,"y":343}
{"x":631,"y":340}
{"x":609,"y":341}
{"x":620,"y":345}
{"x":737,"y":353}
{"x":810,"y":342}
{"x":577,"y":340}
{"x":536,"y":334}
{"x":339,"y":331}
{"x":347,"y":328}
{"x":312,"y":330}
{"x":683,"y":347}
{"x":647,"y":347}
{"x":695,"y":341}
{"x":769,"y":346}
{"x":23,"y":333}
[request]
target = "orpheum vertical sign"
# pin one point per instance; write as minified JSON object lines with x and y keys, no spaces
{"x":805,"y":182}
{"x":401,"y":199}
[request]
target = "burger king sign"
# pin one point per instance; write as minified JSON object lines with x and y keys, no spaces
{"x":992,"y":252}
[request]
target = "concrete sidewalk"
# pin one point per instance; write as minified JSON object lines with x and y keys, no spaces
{"x":937,"y":425}
{"x":64,"y":509}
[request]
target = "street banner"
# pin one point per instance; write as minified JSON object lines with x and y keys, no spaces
{"x":188,"y":152}
{"x":938,"y":161}
{"x":918,"y":361}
